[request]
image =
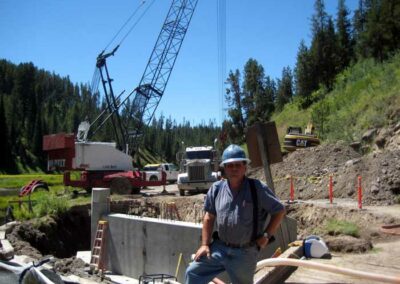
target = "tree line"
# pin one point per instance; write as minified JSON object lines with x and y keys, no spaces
{"x":373,"y":31}
{"x":35,"y":102}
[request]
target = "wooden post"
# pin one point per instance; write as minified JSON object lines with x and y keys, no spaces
{"x":262,"y":139}
{"x":291,"y":189}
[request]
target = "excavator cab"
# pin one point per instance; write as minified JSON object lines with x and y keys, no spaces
{"x":295,"y":139}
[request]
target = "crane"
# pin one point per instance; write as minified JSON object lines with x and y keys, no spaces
{"x":147,"y":95}
{"x":100,"y":163}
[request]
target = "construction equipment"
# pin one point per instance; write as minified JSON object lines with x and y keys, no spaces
{"x":97,"y":259}
{"x":295,"y":139}
{"x":105,"y":164}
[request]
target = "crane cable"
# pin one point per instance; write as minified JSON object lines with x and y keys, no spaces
{"x":94,"y":86}
{"x":137,"y":21}
{"x":124,"y":25}
{"x":221,"y":35}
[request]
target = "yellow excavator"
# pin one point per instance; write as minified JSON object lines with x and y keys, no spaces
{"x":295,"y":139}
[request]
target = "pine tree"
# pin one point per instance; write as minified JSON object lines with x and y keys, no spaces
{"x":258,"y":93}
{"x":323,"y":46}
{"x":344,"y":40}
{"x":6,"y":161}
{"x":390,"y":21}
{"x":284,"y":92}
{"x":359,"y":27}
{"x":233,"y":98}
{"x":304,"y":75}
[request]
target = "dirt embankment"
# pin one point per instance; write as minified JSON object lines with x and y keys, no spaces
{"x":311,"y":167}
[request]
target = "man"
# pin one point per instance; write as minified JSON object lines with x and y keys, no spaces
{"x":229,"y":204}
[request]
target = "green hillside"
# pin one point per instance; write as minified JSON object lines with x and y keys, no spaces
{"x":366,"y":95}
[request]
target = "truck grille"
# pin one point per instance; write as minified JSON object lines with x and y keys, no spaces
{"x":196,"y":173}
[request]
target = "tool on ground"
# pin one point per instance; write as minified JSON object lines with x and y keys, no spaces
{"x":178,"y":265}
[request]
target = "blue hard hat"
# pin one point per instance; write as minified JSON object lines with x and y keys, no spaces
{"x":233,"y":153}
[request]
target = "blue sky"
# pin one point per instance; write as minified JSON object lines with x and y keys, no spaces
{"x":65,"y":37}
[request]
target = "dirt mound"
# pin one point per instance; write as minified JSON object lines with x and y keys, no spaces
{"x":348,"y":244}
{"x":61,"y":237}
{"x":311,"y":168}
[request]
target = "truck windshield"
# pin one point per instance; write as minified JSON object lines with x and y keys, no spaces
{"x":199,"y":155}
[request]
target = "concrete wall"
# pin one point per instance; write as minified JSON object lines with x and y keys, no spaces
{"x":140,"y":245}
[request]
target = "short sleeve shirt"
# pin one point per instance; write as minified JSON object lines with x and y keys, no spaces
{"x":234,"y":212}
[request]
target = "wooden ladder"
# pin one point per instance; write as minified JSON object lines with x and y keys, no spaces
{"x":97,"y":259}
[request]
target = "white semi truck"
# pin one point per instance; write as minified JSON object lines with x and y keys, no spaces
{"x":199,"y":169}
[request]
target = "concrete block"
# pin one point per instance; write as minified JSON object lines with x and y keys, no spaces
{"x":6,"y":250}
{"x":100,"y":207}
{"x":140,"y":245}
{"x":84,"y":255}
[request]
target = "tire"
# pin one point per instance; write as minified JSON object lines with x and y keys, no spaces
{"x":153,"y":178}
{"x":120,"y":185}
{"x":40,"y":188}
{"x":181,"y":192}
{"x":135,"y":190}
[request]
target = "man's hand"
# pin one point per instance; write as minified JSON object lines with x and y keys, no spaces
{"x":262,"y":242}
{"x":203,"y":250}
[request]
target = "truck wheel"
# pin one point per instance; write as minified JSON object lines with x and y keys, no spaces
{"x":181,"y":192}
{"x":120,"y":185}
{"x":153,"y":178}
{"x":135,"y":190}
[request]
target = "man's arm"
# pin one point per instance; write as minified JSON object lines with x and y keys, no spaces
{"x":208,"y":225}
{"x":273,"y":225}
{"x":275,"y":221}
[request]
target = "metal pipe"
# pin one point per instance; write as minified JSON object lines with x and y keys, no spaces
{"x":325,"y":267}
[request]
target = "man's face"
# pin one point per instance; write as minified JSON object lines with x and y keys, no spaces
{"x":235,"y":170}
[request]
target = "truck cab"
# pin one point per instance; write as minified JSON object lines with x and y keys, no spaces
{"x":199,"y":169}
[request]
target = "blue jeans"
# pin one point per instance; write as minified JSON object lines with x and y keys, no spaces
{"x":239,"y":263}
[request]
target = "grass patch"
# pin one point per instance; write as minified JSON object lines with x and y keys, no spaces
{"x":376,"y":250}
{"x":18,"y":181}
{"x":364,"y":96}
{"x":57,"y":200}
{"x":339,"y":227}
